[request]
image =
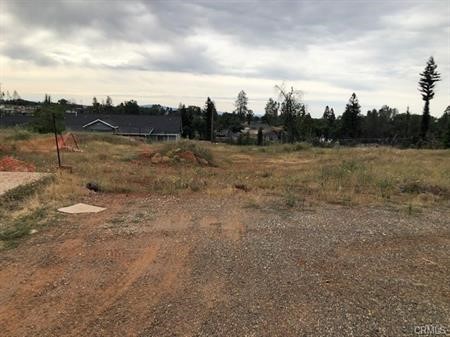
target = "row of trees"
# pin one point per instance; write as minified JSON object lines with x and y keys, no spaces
{"x":289,"y":114}
{"x":385,"y":125}
{"x":9,"y":97}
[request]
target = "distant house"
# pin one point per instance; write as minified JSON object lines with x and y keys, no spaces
{"x":10,"y":121}
{"x":158,"y":128}
{"x":14,"y":109}
{"x":165,"y":127}
{"x":270,"y":133}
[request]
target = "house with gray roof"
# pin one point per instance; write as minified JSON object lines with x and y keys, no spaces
{"x":158,"y":128}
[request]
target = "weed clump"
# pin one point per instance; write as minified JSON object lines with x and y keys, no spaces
{"x":188,"y":151}
{"x":19,"y":134}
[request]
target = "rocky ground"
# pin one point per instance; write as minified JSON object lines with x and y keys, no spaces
{"x":218,"y":267}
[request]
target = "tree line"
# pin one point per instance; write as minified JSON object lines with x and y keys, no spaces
{"x":384,"y":126}
{"x":289,"y":116}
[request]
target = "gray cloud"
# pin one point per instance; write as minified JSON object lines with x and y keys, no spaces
{"x":377,"y":27}
{"x":24,"y":53}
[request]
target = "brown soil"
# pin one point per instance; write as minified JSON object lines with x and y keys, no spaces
{"x":14,"y":165}
{"x":42,"y":144}
{"x":163,"y":266}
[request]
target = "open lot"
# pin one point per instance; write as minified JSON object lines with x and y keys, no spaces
{"x":273,"y":241}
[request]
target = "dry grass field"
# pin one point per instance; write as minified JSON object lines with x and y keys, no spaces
{"x":220,"y":240}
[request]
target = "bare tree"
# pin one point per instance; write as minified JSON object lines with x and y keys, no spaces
{"x":241,"y":106}
{"x":291,"y":108}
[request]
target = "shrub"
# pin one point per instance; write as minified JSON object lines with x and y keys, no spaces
{"x":169,"y":149}
{"x":19,"y":134}
{"x":43,"y":119}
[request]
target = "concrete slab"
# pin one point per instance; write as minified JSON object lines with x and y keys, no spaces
{"x":81,"y":208}
{"x":10,"y":180}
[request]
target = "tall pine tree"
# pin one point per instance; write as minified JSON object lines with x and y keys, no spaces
{"x":329,"y":119}
{"x":351,"y":118}
{"x":427,"y":81}
{"x":210,"y":117}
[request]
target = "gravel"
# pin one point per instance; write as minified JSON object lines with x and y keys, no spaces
{"x":197,"y":266}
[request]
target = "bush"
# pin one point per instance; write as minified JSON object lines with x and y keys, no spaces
{"x":19,"y":134}
{"x":43,"y":119}
{"x":185,"y":145}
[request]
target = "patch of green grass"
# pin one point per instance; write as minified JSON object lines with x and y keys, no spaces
{"x":14,"y":230}
{"x":290,"y":199}
{"x":386,"y":187}
{"x":17,"y":134}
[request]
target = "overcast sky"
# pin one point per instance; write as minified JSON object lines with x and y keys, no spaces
{"x":183,"y":51}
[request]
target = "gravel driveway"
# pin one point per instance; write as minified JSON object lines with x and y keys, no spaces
{"x":211,"y":267}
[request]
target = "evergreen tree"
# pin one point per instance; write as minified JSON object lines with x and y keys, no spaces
{"x":95,"y":105}
{"x":63,"y":102}
{"x":385,"y":118}
{"x":186,"y":121}
{"x":329,"y":118}
{"x":291,"y":109}
{"x":198,"y":121}
{"x":446,"y":138}
{"x":43,"y":118}
{"x":351,"y":118}
{"x":241,"y":105}
{"x":260,"y":136}
{"x":444,"y":127}
{"x":128,"y":107}
{"x":427,"y":81}
{"x":249,"y":116}
{"x":15,"y":95}
{"x":210,"y":116}
{"x":108,"y":105}
{"x":271,"y":112}
{"x":305,"y":125}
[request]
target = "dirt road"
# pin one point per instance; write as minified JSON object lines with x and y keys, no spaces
{"x":215,"y":267}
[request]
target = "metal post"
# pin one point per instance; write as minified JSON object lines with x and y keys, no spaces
{"x":56,"y":140}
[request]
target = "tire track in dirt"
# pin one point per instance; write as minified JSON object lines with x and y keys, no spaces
{"x":116,"y":291}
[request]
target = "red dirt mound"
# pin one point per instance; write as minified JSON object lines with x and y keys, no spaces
{"x":188,"y":156}
{"x":11,"y":164}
